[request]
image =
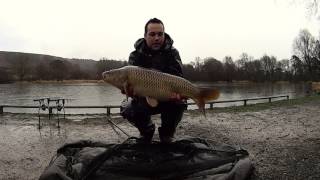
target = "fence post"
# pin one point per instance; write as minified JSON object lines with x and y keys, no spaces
{"x":108,"y":111}
{"x":287,"y":97}
{"x":269,"y":99}
{"x":50,"y":112}
{"x":1,"y":109}
{"x":211,"y":105}
{"x":245,"y":102}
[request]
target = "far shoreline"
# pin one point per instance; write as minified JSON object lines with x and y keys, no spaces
{"x":74,"y":81}
{"x":60,"y":82}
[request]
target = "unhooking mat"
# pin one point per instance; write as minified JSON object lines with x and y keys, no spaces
{"x":189,"y":158}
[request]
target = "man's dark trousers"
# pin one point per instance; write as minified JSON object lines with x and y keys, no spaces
{"x":138,"y":112}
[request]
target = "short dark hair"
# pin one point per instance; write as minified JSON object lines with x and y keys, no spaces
{"x":153,"y":20}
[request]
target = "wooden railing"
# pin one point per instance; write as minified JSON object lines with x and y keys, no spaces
{"x":108,"y":108}
{"x":244,"y":100}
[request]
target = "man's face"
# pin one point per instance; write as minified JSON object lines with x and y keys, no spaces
{"x":154,"y":36}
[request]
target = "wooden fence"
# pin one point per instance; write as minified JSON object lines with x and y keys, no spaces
{"x":108,"y":108}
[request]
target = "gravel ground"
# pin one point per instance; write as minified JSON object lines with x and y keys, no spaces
{"x":283,"y":140}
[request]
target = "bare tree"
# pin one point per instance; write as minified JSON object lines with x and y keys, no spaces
{"x":197,"y":64}
{"x":268,"y":65}
{"x":285,"y":66}
{"x":312,"y":7}
{"x":244,"y":58}
{"x":229,"y":68}
{"x":304,"y":46}
{"x":316,"y":60}
{"x":297,"y":68}
{"x":242,"y":66}
{"x":255,"y":71}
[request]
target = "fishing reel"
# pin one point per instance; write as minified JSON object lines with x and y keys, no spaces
{"x":42,"y":104}
{"x":60,"y":105}
{"x":43,"y":107}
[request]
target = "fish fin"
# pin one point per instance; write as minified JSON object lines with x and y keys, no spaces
{"x":128,"y":89}
{"x":155,"y":70}
{"x":152,"y":102}
{"x":206,"y":94}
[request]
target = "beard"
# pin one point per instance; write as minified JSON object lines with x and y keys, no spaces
{"x":156,"y":47}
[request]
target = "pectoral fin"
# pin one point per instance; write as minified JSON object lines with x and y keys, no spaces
{"x":152,"y":102}
{"x":128,"y":89}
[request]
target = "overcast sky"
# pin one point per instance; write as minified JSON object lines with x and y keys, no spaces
{"x":92,"y":29}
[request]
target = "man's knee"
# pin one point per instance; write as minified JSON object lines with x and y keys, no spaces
{"x":129,"y":109}
{"x":136,"y":113}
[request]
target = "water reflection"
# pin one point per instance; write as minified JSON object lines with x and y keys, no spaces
{"x":101,"y":94}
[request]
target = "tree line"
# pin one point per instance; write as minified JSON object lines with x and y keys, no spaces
{"x":304,"y":65}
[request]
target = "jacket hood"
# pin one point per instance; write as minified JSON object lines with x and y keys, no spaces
{"x":141,"y":46}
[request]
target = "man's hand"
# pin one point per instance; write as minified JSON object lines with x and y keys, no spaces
{"x":152,"y":102}
{"x":128,"y":92}
{"x":175,"y":96}
{"x":178,"y":98}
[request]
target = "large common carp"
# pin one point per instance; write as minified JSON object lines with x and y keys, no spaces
{"x":134,"y":80}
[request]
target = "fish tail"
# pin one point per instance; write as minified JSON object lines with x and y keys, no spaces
{"x":208,"y":94}
{"x":205,"y":95}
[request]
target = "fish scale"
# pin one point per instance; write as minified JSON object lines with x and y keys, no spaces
{"x":151,"y":81}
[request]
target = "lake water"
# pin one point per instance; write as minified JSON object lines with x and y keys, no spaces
{"x":100,"y":94}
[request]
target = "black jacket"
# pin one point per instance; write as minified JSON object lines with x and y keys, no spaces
{"x":167,"y":59}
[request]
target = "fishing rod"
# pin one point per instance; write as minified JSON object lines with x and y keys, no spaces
{"x":115,"y":125}
{"x":44,"y":104}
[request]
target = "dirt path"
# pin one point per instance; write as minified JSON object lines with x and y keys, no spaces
{"x":283,"y":141}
